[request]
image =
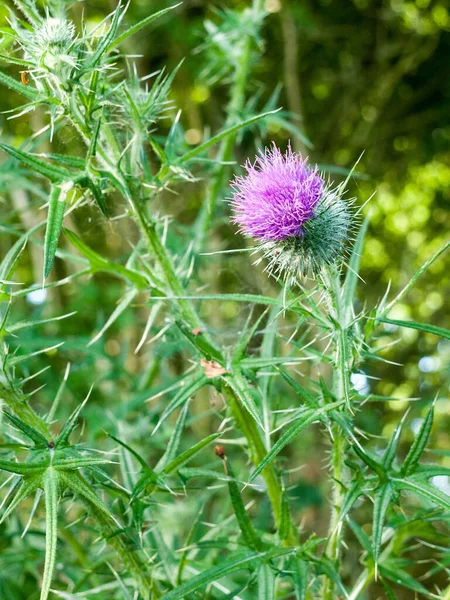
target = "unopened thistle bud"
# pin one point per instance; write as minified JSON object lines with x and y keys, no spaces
{"x":300,"y":222}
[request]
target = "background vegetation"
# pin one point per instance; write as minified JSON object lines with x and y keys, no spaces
{"x":352,"y":77}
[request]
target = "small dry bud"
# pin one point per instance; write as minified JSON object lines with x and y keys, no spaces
{"x":220,"y":451}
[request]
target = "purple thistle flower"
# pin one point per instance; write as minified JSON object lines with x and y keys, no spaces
{"x":276,"y":197}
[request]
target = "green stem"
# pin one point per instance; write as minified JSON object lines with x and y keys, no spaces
{"x":258,"y":452}
{"x":225,"y":154}
{"x":244,"y":422}
{"x":340,"y":387}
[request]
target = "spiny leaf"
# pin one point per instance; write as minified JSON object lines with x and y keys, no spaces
{"x":188,"y":454}
{"x":425,"y":490}
{"x":99,"y":263}
{"x":309,"y":416}
{"x":443,"y":333}
{"x":24,"y":90}
{"x":308,"y":397}
{"x":399,"y":576}
{"x":419,"y":444}
{"x":135,"y":28}
{"x":285,"y":519}
{"x":68,"y":427}
{"x":75,"y":482}
{"x":22,"y":468}
{"x":352,"y":495}
{"x":98,"y":195}
{"x":351,"y":279}
{"x":127,"y":299}
{"x":232,"y":565}
{"x":223,"y":134}
{"x":240,"y":387}
{"x":181,"y":397}
{"x":136,"y":455}
{"x":29,"y":431}
{"x":382,"y":498}
{"x":266,"y":583}
{"x":415,"y":277}
{"x":245,"y":337}
{"x":391,"y":450}
{"x":51,"y":494}
{"x":174,"y":441}
{"x":55,"y":174}
{"x":9,"y":262}
{"x":56,"y":207}
{"x":28,"y":485}
{"x":299,"y":574}
{"x":79,"y":463}
{"x":250,"y":537}
{"x":104,"y":41}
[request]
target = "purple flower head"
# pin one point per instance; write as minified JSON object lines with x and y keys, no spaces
{"x":276,"y":197}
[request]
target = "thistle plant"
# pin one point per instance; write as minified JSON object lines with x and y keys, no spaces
{"x":181,"y":481}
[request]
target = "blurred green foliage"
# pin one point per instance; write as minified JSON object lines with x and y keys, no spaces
{"x":361,"y":76}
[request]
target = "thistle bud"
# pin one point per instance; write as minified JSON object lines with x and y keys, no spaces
{"x":300,"y":222}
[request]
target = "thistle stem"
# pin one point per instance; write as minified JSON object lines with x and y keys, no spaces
{"x":340,"y":388}
{"x":245,"y":423}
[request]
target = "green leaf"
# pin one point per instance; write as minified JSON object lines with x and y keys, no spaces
{"x":361,"y":536}
{"x":38,"y":439}
{"x":352,"y":495}
{"x":351,"y":279}
{"x":266,"y":583}
{"x":63,"y":436}
{"x":241,"y":389}
{"x":285,"y":519}
{"x":75,"y":482}
{"x":128,"y":298}
{"x":391,"y":450}
{"x":415,"y":277}
{"x":11,"y":258}
{"x":188,"y":454}
{"x":400,"y":577}
{"x":419,"y":444}
{"x":383,"y":496}
{"x":76,"y":162}
{"x":232,"y":565}
{"x":99,"y":263}
{"x":223,"y":134}
{"x":248,"y":331}
{"x":28,"y":485}
{"x":425,"y":490}
{"x":137,"y":456}
{"x":56,"y":207}
{"x":181,"y":397}
{"x":174,"y":441}
{"x":23,"y":468}
{"x":20,"y":88}
{"x":308,"y":417}
{"x":104,"y":41}
{"x":249,"y":535}
{"x":55,"y":174}
{"x":135,"y":28}
{"x":299,"y":574}
{"x":307,"y":397}
{"x":79,"y":463}
{"x":98,"y":195}
{"x":51,"y":494}
{"x":369,"y":460}
{"x":444,"y":333}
